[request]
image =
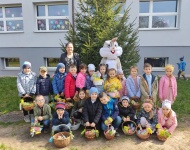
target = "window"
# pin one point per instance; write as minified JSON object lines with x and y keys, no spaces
{"x":11,"y":19}
{"x":158,"y":14}
{"x":158,"y":63}
{"x":11,"y":63}
{"x":52,"y":62}
{"x":52,"y":17}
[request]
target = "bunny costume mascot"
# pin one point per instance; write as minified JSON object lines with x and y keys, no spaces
{"x":110,"y":53}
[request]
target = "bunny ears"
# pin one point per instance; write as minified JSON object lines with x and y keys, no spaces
{"x":166,"y":104}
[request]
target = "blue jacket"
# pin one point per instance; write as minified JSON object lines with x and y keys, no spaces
{"x":58,"y":82}
{"x":181,"y":65}
{"x":65,"y":120}
{"x":44,"y":86}
{"x":131,"y":88}
{"x":110,"y":110}
{"x":89,"y":82}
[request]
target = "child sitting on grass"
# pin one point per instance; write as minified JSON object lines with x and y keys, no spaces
{"x":110,"y":113}
{"x":42,"y":113}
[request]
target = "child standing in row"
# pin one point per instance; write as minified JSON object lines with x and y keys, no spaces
{"x":121,"y":77}
{"x":133,"y":84}
{"x":81,"y":77}
{"x":168,"y":85}
{"x":42,"y":113}
{"x":26,"y":85}
{"x":59,"y":80}
{"x":110,"y":113}
{"x":89,"y":82}
{"x":112,"y":85}
{"x":149,"y":84}
{"x":43,"y":84}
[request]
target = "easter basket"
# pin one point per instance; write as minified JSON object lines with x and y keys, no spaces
{"x":35,"y":129}
{"x":143,"y":136}
{"x":27,"y":103}
{"x":62,"y":139}
{"x":129,"y":127}
{"x":68,"y":105}
{"x":59,"y":99}
{"x":162,"y":135}
{"x":90,"y":133}
{"x":109,"y":133}
{"x":135,"y":105}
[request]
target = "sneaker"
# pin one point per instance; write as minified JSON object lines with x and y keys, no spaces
{"x":117,"y":134}
{"x":26,"y":118}
{"x":46,"y":130}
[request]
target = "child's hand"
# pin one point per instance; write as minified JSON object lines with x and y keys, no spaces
{"x":58,"y":95}
{"x":93,"y":124}
{"x":87,"y":124}
{"x":36,"y":120}
{"x":128,"y":118}
{"x":80,"y":110}
{"x":40,"y":118}
{"x":124,"y":119}
{"x":68,"y":99}
{"x":62,"y":94}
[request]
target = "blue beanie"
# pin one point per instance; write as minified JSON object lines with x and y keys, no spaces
{"x":26,"y":64}
{"x":59,"y":65}
{"x":182,"y":58}
{"x":93,"y":90}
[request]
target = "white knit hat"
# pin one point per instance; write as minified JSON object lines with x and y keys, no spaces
{"x":91,"y":67}
{"x":166,"y":103}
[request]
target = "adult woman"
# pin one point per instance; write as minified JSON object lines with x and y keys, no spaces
{"x":69,"y":57}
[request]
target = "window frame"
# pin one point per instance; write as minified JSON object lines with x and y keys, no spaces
{"x":151,"y":14}
{"x":10,"y":68}
{"x":4,"y":19}
{"x":46,"y":63}
{"x":47,"y":18}
{"x":158,"y":68}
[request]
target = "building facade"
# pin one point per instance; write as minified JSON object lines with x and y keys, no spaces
{"x":32,"y":30}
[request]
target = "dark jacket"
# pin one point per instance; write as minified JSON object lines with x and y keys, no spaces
{"x":64,"y":120}
{"x":58,"y":82}
{"x":44,"y":86}
{"x":89,"y":82}
{"x":92,"y":111}
{"x":79,"y":104}
{"x":110,"y":110}
{"x":70,"y":86}
{"x":126,"y":111}
{"x":76,"y":60}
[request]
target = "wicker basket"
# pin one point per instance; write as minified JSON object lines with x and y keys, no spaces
{"x":76,"y":126}
{"x":161,"y":138}
{"x":126,"y":123}
{"x":68,"y":105}
{"x":136,"y":106}
{"x":108,"y":136}
{"x":61,"y":143}
{"x":142,"y":136}
{"x":90,"y":136}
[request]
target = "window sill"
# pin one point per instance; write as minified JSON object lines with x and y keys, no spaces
{"x":11,"y":68}
{"x":51,"y":68}
{"x":155,"y":29}
{"x":45,"y":31}
{"x":158,"y":69}
{"x":10,"y":32}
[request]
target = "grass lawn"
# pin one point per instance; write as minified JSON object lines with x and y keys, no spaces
{"x":9,"y":100}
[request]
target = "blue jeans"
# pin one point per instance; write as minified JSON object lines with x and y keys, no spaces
{"x":116,"y":123}
{"x":45,"y":123}
{"x":61,"y":127}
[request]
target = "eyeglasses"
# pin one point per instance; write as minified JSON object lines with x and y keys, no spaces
{"x":40,"y":100}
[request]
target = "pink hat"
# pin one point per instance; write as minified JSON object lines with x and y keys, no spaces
{"x":60,"y":105}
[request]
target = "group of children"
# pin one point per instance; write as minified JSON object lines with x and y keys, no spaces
{"x":101,"y":98}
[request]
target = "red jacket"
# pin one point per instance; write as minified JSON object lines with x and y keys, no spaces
{"x":70,"y":83}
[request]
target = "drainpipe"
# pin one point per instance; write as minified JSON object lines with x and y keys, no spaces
{"x":73,"y":13}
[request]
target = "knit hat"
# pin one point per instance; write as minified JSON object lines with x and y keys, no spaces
{"x":93,"y":90}
{"x":26,"y":64}
{"x":125,"y":98}
{"x":119,"y":71}
{"x":59,"y":65}
{"x":147,"y":102}
{"x":181,"y":58}
{"x":60,"y":105}
{"x":43,"y":68}
{"x":91,"y":67}
{"x":166,"y":103}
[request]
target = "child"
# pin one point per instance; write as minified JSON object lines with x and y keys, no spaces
{"x":149,"y":84}
{"x":26,"y":85}
{"x":167,"y":117}
{"x":43,"y":84}
{"x":89,"y":82}
{"x":42,"y":113}
{"x":79,"y":103}
{"x":70,"y":82}
{"x":121,"y":77}
{"x":125,"y":110}
{"x":110,"y":113}
{"x":133,"y":84}
{"x":181,"y":68}
{"x":61,"y":116}
{"x":81,"y":76}
{"x":92,"y":109}
{"x":168,"y":85}
{"x":147,"y":117}
{"x":59,"y":80}
{"x":112,"y":84}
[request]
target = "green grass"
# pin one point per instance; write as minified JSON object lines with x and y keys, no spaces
{"x":9,"y":100}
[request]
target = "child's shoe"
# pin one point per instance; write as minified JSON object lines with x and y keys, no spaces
{"x":117,"y":134}
{"x":26,"y":118}
{"x":46,"y":130}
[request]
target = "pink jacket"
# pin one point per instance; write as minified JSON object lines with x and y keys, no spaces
{"x":169,"y":123}
{"x":164,"y":87}
{"x":123,"y":90}
{"x":80,"y":80}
